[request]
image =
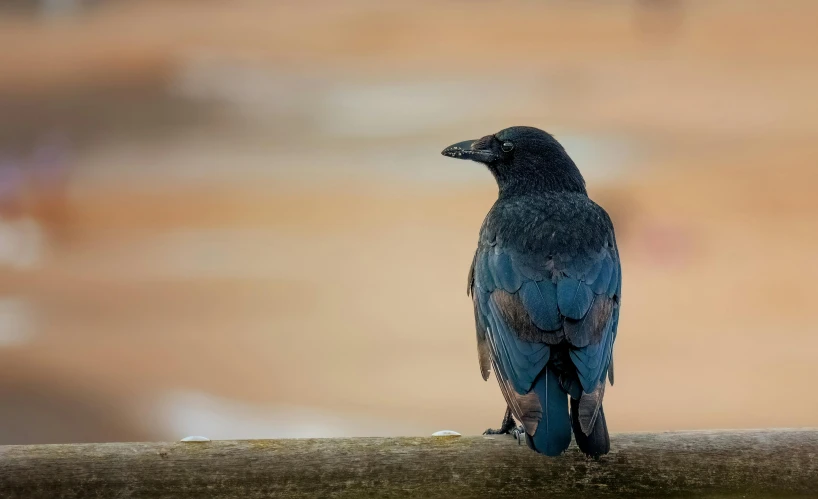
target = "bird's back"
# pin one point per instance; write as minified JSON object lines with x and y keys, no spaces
{"x":546,"y":282}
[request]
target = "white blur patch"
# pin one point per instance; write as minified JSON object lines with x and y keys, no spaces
{"x":21,"y":243}
{"x":255,"y":90}
{"x":599,"y":158}
{"x":196,"y":413}
{"x":365,"y":130}
{"x":58,"y":9}
{"x":16,"y":322}
{"x":406,"y":108}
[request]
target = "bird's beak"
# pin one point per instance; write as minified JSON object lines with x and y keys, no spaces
{"x":471,"y":149}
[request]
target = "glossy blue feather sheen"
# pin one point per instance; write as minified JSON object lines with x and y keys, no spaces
{"x":540,"y":300}
{"x":553,"y":434}
{"x":522,"y":360}
{"x":574,"y":297}
{"x":546,"y":281}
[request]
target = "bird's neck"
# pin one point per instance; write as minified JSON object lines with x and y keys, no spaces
{"x":558,"y":177}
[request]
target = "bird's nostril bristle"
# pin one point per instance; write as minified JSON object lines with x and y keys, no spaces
{"x":484,"y":143}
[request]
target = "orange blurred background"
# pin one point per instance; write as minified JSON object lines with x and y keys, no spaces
{"x":233,"y":220}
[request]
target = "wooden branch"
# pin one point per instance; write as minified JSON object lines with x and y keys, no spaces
{"x":713,"y":464}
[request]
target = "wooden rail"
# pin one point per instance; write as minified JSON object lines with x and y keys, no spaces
{"x":712,"y":464}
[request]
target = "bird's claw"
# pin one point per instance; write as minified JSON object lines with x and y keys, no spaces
{"x":506,"y":429}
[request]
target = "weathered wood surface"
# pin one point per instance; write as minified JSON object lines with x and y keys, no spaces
{"x":713,"y":464}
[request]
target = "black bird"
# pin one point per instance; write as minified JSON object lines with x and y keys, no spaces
{"x":546,"y":285}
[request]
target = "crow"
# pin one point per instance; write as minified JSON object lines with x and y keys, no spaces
{"x":546,"y":284}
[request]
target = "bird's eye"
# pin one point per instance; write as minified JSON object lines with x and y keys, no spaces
{"x":507,"y":146}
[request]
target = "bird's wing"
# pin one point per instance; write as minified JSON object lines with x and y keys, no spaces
{"x":590,"y":326}
{"x":527,"y":302}
{"x":498,"y":316}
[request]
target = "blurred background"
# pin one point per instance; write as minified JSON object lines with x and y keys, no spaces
{"x":232,"y":219}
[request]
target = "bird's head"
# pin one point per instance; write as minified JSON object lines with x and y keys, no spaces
{"x":522,"y":159}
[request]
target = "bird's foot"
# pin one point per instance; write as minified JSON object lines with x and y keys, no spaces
{"x":519,"y":434}
{"x":507,"y":427}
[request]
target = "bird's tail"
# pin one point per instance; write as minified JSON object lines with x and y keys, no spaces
{"x":553,"y":434}
{"x":595,"y":443}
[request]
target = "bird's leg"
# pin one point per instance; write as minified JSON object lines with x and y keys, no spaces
{"x":506,"y":428}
